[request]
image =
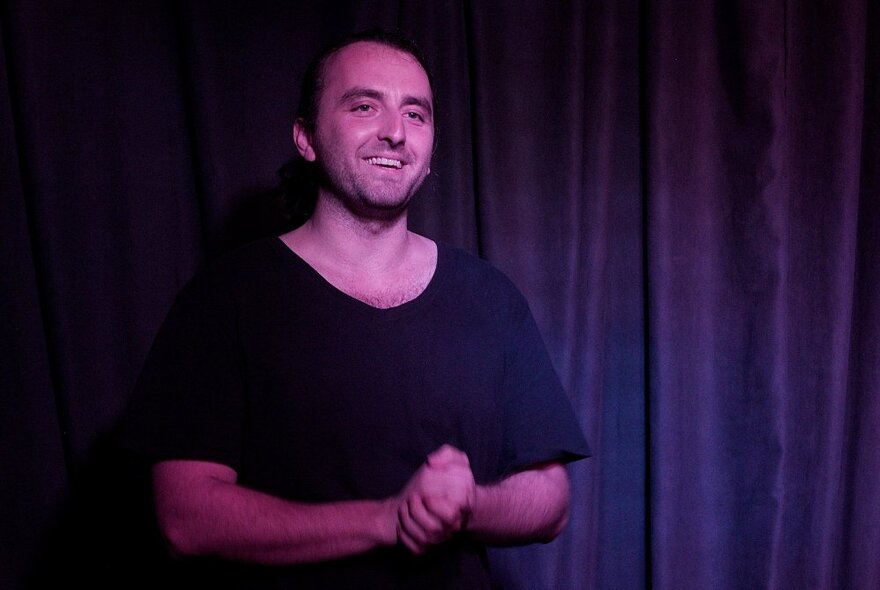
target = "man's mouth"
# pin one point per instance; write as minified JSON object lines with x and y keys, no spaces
{"x":385,"y":162}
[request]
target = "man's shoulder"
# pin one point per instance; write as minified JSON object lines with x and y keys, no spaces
{"x":467,"y":262}
{"x":471,"y":272}
{"x":242,"y":266}
{"x":248,"y":260}
{"x":253,"y":256}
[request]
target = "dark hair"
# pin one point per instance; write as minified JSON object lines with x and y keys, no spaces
{"x":298,"y":186}
{"x":313,"y":80}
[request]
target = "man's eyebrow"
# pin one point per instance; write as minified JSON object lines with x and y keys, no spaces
{"x":363,"y":92}
{"x":419,"y":101}
{"x":360,"y":92}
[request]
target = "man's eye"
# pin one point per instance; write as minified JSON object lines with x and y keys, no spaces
{"x":414,"y":116}
{"x":363,"y":108}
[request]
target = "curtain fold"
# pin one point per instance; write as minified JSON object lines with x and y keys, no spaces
{"x":32,"y":458}
{"x":754,"y":159}
{"x":558,"y":179}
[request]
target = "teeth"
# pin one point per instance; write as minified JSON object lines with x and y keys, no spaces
{"x":385,"y":162}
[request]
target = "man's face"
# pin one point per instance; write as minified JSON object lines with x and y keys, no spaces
{"x":374,"y":131}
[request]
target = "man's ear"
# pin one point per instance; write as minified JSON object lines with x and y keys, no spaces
{"x":302,"y":137}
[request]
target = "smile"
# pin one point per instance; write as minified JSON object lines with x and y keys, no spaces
{"x":385,"y":162}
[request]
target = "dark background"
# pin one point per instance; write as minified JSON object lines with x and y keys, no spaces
{"x":686,"y":191}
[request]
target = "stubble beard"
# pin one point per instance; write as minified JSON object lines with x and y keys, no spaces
{"x":364,"y":196}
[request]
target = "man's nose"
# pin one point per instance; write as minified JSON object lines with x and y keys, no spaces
{"x":392,"y":128}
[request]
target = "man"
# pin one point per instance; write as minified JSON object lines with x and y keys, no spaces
{"x":353,"y":405}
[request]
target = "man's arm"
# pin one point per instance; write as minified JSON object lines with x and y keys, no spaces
{"x":526,"y":507}
{"x":202,"y":511}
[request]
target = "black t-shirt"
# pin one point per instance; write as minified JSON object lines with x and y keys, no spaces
{"x":312,"y":395}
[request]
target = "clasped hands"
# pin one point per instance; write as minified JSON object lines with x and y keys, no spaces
{"x":437,"y":501}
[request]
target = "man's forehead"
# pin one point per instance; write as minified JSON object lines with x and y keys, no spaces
{"x":374,"y":48}
{"x":367,"y":61}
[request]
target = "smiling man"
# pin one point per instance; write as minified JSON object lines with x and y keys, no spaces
{"x":375,"y":130}
{"x":352,"y":405}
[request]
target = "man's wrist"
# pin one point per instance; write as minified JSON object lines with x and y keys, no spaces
{"x":477,"y":504}
{"x":386,"y":521}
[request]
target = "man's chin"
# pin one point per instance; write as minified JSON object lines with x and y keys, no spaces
{"x":379,"y":207}
{"x":375,"y":201}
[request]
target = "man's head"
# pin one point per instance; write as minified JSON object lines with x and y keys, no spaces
{"x":366,"y":120}
{"x":313,"y":79}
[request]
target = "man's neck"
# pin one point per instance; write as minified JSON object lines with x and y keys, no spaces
{"x":380,"y":263}
{"x":334,"y":235}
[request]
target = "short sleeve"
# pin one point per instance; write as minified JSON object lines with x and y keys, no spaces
{"x":188,"y":401}
{"x":539,"y":424}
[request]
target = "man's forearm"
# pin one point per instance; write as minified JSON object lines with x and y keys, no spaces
{"x":528,"y":506}
{"x":205,"y":513}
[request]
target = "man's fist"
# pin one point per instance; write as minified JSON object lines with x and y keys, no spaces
{"x":437,"y":500}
